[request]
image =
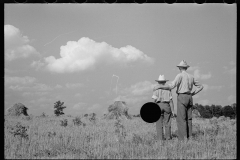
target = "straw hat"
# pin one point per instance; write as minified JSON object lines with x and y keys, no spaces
{"x":161,"y":78}
{"x":183,"y":63}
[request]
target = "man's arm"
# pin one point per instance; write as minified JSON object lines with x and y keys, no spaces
{"x":198,"y":86}
{"x":170,"y":86}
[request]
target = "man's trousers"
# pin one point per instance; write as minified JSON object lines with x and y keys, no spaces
{"x":165,"y":119}
{"x":184,"y":115}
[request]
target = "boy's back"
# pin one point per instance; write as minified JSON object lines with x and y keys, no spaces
{"x":161,"y":95}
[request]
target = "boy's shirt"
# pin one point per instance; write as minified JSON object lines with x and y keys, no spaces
{"x":162,"y":95}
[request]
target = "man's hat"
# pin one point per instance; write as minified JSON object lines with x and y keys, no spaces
{"x":183,"y":63}
{"x":161,"y":78}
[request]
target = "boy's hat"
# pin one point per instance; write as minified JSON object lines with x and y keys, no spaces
{"x":161,"y":78}
{"x":183,"y":63}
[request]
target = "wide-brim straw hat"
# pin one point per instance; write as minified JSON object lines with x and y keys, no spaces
{"x":183,"y":63}
{"x":161,"y":78}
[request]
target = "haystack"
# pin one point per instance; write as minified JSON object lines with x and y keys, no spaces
{"x":17,"y":110}
{"x":195,"y":113}
{"x":118,"y":108}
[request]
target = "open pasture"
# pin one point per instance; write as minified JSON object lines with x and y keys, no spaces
{"x":50,"y":138}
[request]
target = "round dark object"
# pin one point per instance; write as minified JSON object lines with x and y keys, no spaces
{"x":150,"y":112}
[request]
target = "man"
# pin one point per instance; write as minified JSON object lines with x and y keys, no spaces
{"x":164,"y":99}
{"x":184,"y":83}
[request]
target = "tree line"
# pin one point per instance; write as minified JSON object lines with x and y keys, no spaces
{"x":209,"y":111}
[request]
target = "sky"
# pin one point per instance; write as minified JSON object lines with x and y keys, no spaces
{"x":90,"y":55}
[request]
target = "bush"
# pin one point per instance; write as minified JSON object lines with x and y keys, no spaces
{"x":77,"y":122}
{"x":64,"y":122}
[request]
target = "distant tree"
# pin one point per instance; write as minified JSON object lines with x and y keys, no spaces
{"x":59,"y":108}
{"x":234,"y":105}
{"x":228,"y":111}
{"x":205,"y":111}
{"x":217,"y":110}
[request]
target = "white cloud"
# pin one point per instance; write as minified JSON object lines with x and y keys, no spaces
{"x":36,"y":87}
{"x":95,"y":107}
{"x":204,"y":102}
{"x":16,"y":45}
{"x":37,"y":64}
{"x":86,"y":54}
{"x":130,"y":100}
{"x":231,"y":69}
{"x":231,"y":99}
{"x":78,"y":95}
{"x":207,"y":87}
{"x":80,"y":106}
{"x":232,"y":63}
{"x":27,"y":94}
{"x":58,"y":86}
{"x":19,"y":80}
{"x":74,"y":85}
{"x":198,"y":75}
{"x":192,"y":68}
{"x":140,"y":88}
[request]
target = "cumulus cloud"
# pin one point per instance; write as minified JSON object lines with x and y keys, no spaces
{"x":204,"y":102}
{"x":36,"y":87}
{"x":78,"y":95}
{"x":80,"y":106}
{"x":231,"y":99}
{"x":27,"y":94}
{"x":86,"y":54}
{"x":207,"y":87}
{"x":198,"y":75}
{"x":192,"y":68}
{"x":231,"y":68}
{"x":140,"y":88}
{"x":16,"y":45}
{"x":19,"y":80}
{"x":73,"y":85}
{"x":132,"y":99}
{"x":95,"y":108}
{"x":58,"y":86}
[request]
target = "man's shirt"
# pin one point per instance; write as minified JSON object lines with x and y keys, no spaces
{"x":184,"y":83}
{"x":161,"y":95}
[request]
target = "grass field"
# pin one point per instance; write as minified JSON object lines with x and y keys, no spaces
{"x":49,"y":138}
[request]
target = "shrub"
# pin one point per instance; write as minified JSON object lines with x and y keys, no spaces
{"x":64,"y":122}
{"x":77,"y":122}
{"x":19,"y":130}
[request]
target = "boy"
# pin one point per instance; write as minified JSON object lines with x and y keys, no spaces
{"x":164,"y":99}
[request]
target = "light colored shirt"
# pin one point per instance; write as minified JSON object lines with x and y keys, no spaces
{"x":161,"y":95}
{"x":184,"y":82}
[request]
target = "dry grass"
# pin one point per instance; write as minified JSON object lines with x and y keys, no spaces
{"x":48,"y":139}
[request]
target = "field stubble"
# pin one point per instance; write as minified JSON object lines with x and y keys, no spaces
{"x":47,"y":138}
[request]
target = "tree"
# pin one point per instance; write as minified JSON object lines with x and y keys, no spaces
{"x":228,"y":111}
{"x":59,"y":108}
{"x":217,"y":110}
{"x":234,"y":105}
